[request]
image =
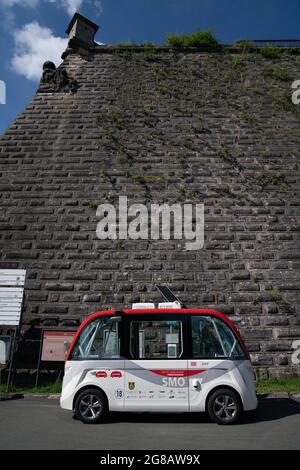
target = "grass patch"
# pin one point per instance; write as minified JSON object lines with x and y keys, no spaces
{"x":50,"y":388}
{"x":195,"y":39}
{"x":290,"y":385}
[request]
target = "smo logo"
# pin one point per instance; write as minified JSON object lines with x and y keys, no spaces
{"x":173,"y":381}
{"x":296,"y":353}
{"x":2,"y":92}
{"x":296,"y":94}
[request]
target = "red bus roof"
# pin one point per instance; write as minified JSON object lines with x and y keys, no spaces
{"x":151,"y":311}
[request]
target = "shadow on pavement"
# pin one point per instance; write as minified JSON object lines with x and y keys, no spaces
{"x":270,"y":409}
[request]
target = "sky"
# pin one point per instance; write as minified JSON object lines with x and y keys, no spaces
{"x":33,"y":31}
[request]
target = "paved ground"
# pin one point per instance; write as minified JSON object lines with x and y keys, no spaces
{"x":41,"y":424}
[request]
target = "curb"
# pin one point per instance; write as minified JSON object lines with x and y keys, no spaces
{"x":29,"y":396}
{"x":275,"y":395}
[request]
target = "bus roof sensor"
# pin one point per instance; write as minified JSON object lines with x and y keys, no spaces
{"x":175,"y":304}
{"x":143,"y":305}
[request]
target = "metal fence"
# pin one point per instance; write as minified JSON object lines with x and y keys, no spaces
{"x":276,"y":42}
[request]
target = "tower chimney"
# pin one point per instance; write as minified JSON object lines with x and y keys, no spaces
{"x":81,"y":31}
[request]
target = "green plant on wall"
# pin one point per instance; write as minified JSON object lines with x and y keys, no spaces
{"x":246,"y":45}
{"x":274,"y":296}
{"x":198,"y":127}
{"x":93,"y":204}
{"x":283,"y":100}
{"x":195,"y":39}
{"x":149,"y":52}
{"x":122,"y":157}
{"x":222,"y":151}
{"x":266,"y":178}
{"x":236,"y":62}
{"x":102,"y":173}
{"x":138,"y":178}
{"x":119,"y":244}
{"x":181,"y":192}
{"x":248,"y":116}
{"x":278,"y":73}
{"x":270,"y":52}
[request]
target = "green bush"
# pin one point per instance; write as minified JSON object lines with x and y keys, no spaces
{"x":195,"y":39}
{"x":270,"y":52}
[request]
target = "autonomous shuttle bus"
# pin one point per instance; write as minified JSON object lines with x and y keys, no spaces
{"x":166,"y":359}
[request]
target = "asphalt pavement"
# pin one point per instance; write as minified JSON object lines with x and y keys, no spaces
{"x":41,"y":424}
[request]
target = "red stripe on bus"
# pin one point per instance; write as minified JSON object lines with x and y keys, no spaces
{"x":177,"y":373}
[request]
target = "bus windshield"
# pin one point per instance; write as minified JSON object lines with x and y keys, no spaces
{"x":99,"y":339}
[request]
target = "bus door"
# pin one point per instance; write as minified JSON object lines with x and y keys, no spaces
{"x":213,"y":356}
{"x":155,"y":365}
{"x":96,"y":359}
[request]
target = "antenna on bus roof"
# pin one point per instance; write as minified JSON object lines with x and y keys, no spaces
{"x":168,"y":294}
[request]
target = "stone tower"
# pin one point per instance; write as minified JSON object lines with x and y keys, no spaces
{"x":159,"y":125}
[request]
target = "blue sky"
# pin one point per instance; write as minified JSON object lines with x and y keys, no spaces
{"x":32,"y":31}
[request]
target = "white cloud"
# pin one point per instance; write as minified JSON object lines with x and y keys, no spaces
{"x":24,"y":3}
{"x":70,"y":6}
{"x":98,"y":5}
{"x":7,"y":11}
{"x":34,"y":45}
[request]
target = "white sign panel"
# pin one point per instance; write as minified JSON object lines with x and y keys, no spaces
{"x":12,"y":277}
{"x":5,"y":345}
{"x":11,"y":296}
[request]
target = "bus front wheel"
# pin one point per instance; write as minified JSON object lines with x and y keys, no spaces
{"x":91,"y":406}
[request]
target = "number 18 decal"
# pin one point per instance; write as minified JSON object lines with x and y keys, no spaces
{"x":119,"y":393}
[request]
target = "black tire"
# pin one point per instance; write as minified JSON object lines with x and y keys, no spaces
{"x":91,"y":406}
{"x":224,"y":406}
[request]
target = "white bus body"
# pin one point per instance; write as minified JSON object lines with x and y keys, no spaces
{"x":159,"y":360}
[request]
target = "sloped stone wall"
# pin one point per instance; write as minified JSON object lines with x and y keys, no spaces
{"x":161,"y":126}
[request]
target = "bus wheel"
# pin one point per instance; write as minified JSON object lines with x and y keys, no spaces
{"x":91,"y":406}
{"x":224,"y":406}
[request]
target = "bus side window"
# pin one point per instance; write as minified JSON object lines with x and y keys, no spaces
{"x":158,"y":339}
